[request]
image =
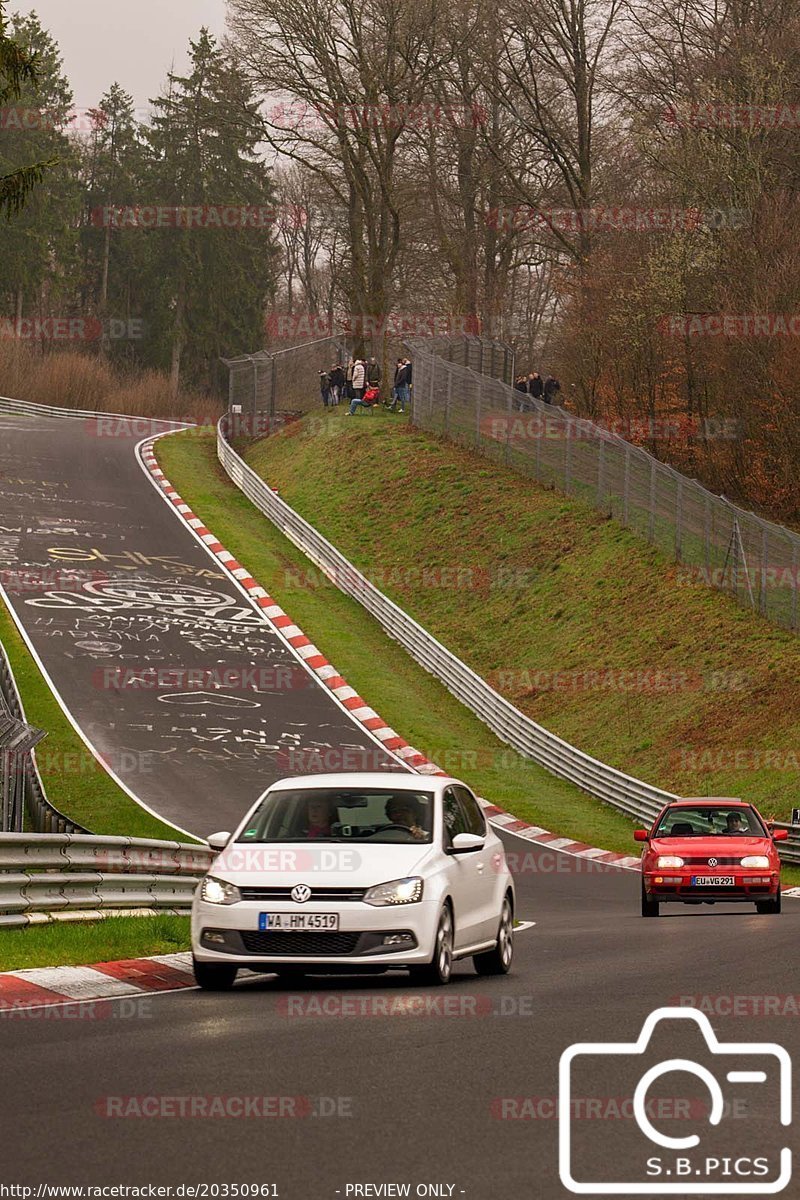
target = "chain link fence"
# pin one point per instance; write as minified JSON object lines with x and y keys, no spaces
{"x":272,"y":382}
{"x":482,"y":355}
{"x":718,"y":543}
{"x":280,"y":381}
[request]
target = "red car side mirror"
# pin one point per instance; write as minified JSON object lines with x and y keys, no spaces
{"x":780,"y":835}
{"x":641,"y":835}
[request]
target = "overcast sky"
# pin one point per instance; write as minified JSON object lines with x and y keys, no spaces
{"x":131,"y":41}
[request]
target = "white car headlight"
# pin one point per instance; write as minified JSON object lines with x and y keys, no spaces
{"x":667,"y":861}
{"x":397,"y":891}
{"x":217,"y":891}
{"x":756,"y":862}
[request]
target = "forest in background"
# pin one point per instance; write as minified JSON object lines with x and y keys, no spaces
{"x":610,"y":187}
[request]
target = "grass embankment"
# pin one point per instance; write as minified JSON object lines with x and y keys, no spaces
{"x":581,"y":603}
{"x":104,"y":941}
{"x":405,"y":695}
{"x":73,"y":779}
{"x":567,"y":613}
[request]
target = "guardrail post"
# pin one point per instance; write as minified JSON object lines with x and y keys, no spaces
{"x":601,"y":463}
{"x":651,"y":523}
{"x":794,"y":584}
{"x":678,"y":518}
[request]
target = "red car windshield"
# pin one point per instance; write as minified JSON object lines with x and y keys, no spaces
{"x":719,"y":821}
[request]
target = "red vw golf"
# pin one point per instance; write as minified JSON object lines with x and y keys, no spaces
{"x":709,"y":851}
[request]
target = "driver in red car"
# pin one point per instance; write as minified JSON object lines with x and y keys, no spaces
{"x":735,"y":823}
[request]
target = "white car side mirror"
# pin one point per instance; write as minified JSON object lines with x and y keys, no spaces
{"x":467,"y":843}
{"x":218,"y":841}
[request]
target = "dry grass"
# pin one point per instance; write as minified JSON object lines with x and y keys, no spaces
{"x":70,"y":379}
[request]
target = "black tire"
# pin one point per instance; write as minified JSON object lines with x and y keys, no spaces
{"x":497,"y":961}
{"x":438,"y":971}
{"x":650,"y":908}
{"x":769,"y":907}
{"x":214,"y":977}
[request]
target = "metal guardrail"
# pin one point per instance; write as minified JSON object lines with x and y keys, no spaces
{"x":22,"y":793}
{"x":31,"y":408}
{"x":28,"y":408}
{"x":45,"y":877}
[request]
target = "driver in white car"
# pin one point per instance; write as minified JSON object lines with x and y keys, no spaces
{"x":405,"y":811}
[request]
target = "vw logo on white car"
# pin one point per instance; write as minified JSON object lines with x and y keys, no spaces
{"x":301,"y":893}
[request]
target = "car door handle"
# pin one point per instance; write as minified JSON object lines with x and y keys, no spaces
{"x":480,"y":868}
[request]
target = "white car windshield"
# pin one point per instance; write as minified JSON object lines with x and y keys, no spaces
{"x":341,"y":815}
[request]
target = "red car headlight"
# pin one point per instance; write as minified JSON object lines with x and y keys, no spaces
{"x":756,"y":862}
{"x":668,"y":862}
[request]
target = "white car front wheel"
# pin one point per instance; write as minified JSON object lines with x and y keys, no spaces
{"x":498,"y":960}
{"x":438,"y":971}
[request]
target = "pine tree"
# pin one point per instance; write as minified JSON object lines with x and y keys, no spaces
{"x":38,"y":251}
{"x":116,"y":264}
{"x":212,"y":281}
{"x":18,"y":74}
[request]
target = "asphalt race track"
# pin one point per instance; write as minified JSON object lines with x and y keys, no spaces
{"x":329,"y":1082}
{"x":110,"y":588}
{"x":443,"y":1095}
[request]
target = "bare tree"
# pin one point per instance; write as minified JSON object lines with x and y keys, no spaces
{"x":355,"y":73}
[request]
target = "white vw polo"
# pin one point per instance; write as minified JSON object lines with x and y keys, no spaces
{"x":356,"y":872}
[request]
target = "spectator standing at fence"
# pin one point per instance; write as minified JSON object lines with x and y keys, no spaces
{"x":402,"y":386}
{"x":337,"y":383}
{"x":397,"y":370}
{"x":358,"y":379}
{"x":348,"y":379}
{"x":520,"y":385}
{"x":373,"y":372}
{"x":551,"y":388}
{"x":325,"y":387}
{"x":535,"y":385}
